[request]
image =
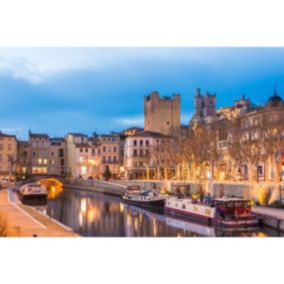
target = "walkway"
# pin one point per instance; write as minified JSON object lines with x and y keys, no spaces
{"x":25,"y":221}
{"x":273,"y":212}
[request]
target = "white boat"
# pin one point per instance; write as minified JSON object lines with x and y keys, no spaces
{"x":144,"y":198}
{"x":224,"y":212}
{"x":33,"y":194}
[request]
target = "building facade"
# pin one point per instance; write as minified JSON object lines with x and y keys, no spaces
{"x":58,"y":157}
{"x":107,"y":152}
{"x":143,"y":153}
{"x":80,"y":160}
{"x":162,"y":114}
{"x":8,"y":155}
{"x":24,"y":159}
{"x":40,"y":149}
{"x":249,"y":141}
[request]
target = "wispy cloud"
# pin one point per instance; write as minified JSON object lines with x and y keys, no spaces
{"x":37,"y":65}
{"x":130,"y":121}
{"x":185,"y":118}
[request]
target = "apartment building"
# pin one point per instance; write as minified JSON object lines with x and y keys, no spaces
{"x":8,"y":155}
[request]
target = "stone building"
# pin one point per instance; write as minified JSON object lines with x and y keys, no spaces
{"x":249,"y":139}
{"x":162,"y":114}
{"x":58,"y":157}
{"x":107,"y":153}
{"x":141,"y":156}
{"x":39,"y":146}
{"x":24,"y":159}
{"x":80,"y":160}
{"x":8,"y":155}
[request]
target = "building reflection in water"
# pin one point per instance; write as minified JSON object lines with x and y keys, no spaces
{"x":95,"y":214}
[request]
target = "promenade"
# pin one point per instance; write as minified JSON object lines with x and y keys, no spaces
{"x":25,"y":221}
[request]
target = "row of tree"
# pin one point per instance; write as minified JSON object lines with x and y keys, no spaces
{"x":199,"y":153}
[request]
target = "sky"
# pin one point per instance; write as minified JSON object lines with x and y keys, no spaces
{"x":61,"y":90}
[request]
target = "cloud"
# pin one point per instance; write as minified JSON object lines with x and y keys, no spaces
{"x":185,"y":118}
{"x":130,"y":121}
{"x":38,"y":65}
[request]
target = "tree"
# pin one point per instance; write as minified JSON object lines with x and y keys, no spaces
{"x":107,"y":174}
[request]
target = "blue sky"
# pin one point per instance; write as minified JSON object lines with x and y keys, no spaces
{"x":59,"y":90}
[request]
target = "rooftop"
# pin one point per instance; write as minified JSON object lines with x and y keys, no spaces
{"x":150,"y":134}
{"x":38,"y":135}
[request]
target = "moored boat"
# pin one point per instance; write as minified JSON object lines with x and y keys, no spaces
{"x":224,"y":212}
{"x":33,"y":194}
{"x":144,"y":198}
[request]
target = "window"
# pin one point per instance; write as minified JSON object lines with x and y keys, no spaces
{"x":104,"y":149}
{"x":39,"y":161}
{"x":34,"y":154}
{"x":83,"y":170}
{"x":9,"y":147}
{"x":114,"y":159}
{"x":141,"y":142}
{"x":1,"y":157}
{"x":52,"y":154}
{"x":45,"y":161}
{"x":135,"y":153}
{"x":114,"y":149}
{"x":135,"y":142}
{"x":141,"y":153}
{"x":1,"y":147}
{"x":104,"y":159}
{"x":52,"y":162}
{"x":60,"y":153}
{"x":109,"y":159}
{"x":62,"y":162}
{"x":81,"y":150}
{"x":141,"y":164}
{"x":147,"y":142}
{"x":86,"y":150}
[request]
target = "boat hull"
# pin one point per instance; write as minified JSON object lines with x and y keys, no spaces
{"x":151,"y":204}
{"x":217,"y":222}
{"x":33,"y":199}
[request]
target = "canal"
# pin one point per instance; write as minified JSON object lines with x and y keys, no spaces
{"x":93,"y":214}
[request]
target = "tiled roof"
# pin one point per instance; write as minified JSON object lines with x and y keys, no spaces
{"x":150,"y":134}
{"x":77,"y":134}
{"x":83,"y":145}
{"x":38,"y":135}
{"x":7,"y":135}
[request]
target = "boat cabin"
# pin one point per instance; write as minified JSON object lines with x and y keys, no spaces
{"x":232,"y":207}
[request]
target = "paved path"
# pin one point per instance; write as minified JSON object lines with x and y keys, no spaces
{"x":273,"y":212}
{"x":25,"y":221}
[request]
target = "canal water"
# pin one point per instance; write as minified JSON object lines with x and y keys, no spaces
{"x":93,"y":214}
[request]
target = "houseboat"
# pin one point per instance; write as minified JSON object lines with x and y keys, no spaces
{"x":144,"y":198}
{"x":220,"y":212}
{"x":33,"y":194}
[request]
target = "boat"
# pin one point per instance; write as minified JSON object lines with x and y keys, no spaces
{"x":33,"y":194}
{"x":151,"y":199}
{"x":220,"y":212}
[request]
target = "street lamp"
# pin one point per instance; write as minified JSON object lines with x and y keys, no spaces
{"x":12,"y":160}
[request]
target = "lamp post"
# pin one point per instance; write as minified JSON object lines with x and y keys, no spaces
{"x":12,"y":160}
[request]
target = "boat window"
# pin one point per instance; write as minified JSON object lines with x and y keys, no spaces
{"x":230,"y":204}
{"x":239,"y":204}
{"x":183,"y":206}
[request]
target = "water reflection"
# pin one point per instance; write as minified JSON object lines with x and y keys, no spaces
{"x":95,"y":214}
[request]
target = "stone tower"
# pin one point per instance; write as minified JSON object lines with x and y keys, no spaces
{"x":162,"y":114}
{"x":204,"y":106}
